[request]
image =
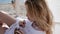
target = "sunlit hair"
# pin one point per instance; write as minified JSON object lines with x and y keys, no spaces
{"x":39,"y":10}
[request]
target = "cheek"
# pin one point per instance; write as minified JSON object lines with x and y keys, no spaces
{"x":28,"y":15}
{"x":30,"y":18}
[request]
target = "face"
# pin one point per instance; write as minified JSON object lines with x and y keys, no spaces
{"x":29,"y":16}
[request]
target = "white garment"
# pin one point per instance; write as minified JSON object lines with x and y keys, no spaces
{"x":28,"y":28}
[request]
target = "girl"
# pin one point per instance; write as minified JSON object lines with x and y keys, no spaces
{"x":38,"y":21}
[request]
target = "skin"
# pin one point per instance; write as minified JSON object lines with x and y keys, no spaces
{"x":6,"y":18}
{"x":30,"y":18}
{"x":2,"y":30}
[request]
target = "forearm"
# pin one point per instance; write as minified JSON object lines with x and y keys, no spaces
{"x":2,"y":30}
{"x":7,"y":18}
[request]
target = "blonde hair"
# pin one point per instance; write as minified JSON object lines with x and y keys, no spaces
{"x":39,"y":10}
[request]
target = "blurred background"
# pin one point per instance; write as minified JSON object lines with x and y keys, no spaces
{"x":17,"y":8}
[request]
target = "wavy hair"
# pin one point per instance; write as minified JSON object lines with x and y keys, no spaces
{"x":41,"y":13}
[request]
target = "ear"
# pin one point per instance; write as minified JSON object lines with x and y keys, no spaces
{"x":22,"y":24}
